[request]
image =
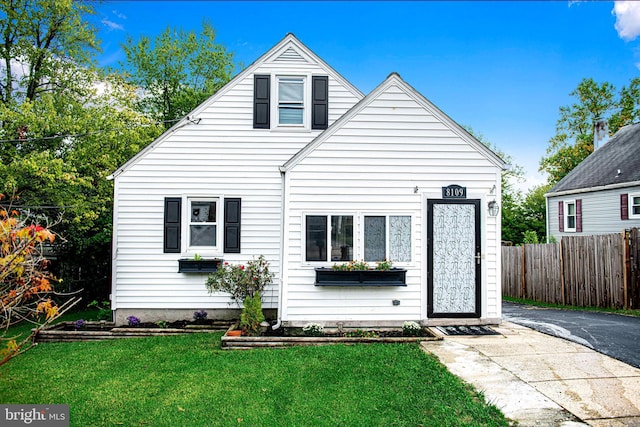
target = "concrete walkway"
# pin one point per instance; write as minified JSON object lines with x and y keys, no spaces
{"x":539,"y":380}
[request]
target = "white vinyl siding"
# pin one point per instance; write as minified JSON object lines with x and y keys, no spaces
{"x":371,"y":165}
{"x":221,"y":155}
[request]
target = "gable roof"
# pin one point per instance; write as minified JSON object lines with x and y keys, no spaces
{"x":394,"y":79}
{"x":615,"y":163}
{"x":289,"y":49}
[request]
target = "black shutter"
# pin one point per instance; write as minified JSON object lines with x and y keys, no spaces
{"x":172,"y":215}
{"x":320,"y":102}
{"x":624,"y":207}
{"x":232,"y":226}
{"x":261,"y":89}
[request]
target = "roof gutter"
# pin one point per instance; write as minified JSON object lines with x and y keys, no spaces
{"x":590,"y":189}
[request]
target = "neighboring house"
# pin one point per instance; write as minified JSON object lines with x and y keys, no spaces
{"x":291,"y":161}
{"x":602,"y":194}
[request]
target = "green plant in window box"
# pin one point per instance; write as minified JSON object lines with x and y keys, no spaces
{"x":351,"y":266}
{"x":384,"y":265}
{"x":197,"y":257}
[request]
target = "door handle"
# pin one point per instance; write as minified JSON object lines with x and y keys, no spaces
{"x":478,"y":257}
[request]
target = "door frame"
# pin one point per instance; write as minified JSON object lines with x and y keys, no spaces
{"x":478,"y":264}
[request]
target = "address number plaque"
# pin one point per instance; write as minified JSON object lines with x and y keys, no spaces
{"x":454,"y":192}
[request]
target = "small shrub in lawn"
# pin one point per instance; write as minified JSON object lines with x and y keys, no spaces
{"x":411,"y":329}
{"x":79,"y":324}
{"x":313,"y":330}
{"x":200,"y":315}
{"x":133,"y":321}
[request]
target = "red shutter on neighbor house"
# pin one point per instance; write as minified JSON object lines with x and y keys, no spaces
{"x":624,"y":206}
{"x":561,"y":216}
{"x":578,"y":215}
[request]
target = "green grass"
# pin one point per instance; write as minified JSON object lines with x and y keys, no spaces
{"x":627,"y":312}
{"x":189,"y":380}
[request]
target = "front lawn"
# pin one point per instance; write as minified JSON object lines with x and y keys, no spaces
{"x":188,"y":380}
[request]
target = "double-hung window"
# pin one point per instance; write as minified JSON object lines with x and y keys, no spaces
{"x":570,"y":216}
{"x":329,"y":238}
{"x":291,"y":101}
{"x":387,"y":237}
{"x":203,"y":223}
{"x":634,"y":205}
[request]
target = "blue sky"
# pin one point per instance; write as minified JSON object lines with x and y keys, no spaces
{"x":501,"y":68}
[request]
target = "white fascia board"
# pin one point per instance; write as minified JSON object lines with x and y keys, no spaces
{"x":282,"y":45}
{"x":593,"y":189}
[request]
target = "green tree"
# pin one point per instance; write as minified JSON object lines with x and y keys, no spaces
{"x":41,"y":46}
{"x":573,"y":140}
{"x":534,"y":212}
{"x":177,"y":70}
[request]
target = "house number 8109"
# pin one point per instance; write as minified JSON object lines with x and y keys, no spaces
{"x":454,"y":192}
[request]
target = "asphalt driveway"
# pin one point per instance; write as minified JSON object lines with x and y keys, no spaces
{"x":611,"y":334}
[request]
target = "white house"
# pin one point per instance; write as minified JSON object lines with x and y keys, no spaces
{"x":291,"y":161}
{"x":602,"y":194}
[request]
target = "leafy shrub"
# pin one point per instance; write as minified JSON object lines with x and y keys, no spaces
{"x":79,"y":324}
{"x":200,"y":315}
{"x":239,"y":280}
{"x":313,"y":330}
{"x":251,"y":316}
{"x":411,"y":329}
{"x":163,"y":324}
{"x":104,"y":309}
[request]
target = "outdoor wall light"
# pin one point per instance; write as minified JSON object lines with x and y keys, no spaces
{"x":494,"y":208}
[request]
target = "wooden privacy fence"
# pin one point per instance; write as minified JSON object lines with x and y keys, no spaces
{"x":596,"y":271}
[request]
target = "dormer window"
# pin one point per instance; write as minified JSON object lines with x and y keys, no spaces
{"x":299,"y":102}
{"x":291,"y":101}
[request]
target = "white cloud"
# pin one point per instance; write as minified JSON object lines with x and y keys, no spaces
{"x":111,"y":25}
{"x":627,"y":19}
{"x":118,"y":14}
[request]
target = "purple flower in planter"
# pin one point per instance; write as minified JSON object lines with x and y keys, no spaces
{"x":133,"y":321}
{"x":79,"y":324}
{"x":200,"y":315}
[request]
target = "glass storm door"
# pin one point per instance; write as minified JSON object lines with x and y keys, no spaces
{"x":453,"y":251}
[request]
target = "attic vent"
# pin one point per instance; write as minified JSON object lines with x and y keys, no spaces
{"x":290,"y":55}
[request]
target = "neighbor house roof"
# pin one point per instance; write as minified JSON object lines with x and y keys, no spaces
{"x":615,"y":163}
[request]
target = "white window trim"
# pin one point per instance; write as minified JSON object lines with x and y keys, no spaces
{"x":275,"y":111}
{"x":304,"y":237}
{"x":358,"y":237}
{"x":186,"y":229}
{"x":387,"y":216}
{"x":630,"y":205}
{"x":568,"y":229}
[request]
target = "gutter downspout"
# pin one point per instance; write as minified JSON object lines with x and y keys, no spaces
{"x":282,"y":260}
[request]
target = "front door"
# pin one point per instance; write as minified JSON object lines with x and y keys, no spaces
{"x":453,"y":251}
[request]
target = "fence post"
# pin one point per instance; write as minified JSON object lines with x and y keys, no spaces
{"x":524,"y":274}
{"x":626,"y":263}
{"x":561,"y":271}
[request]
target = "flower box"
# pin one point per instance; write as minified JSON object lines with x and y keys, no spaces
{"x":331,"y":277}
{"x":198,"y":266}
